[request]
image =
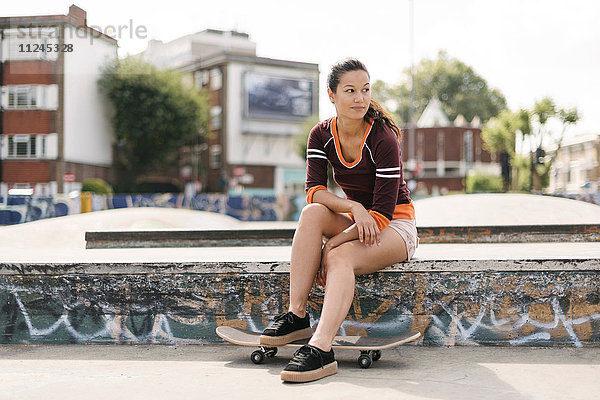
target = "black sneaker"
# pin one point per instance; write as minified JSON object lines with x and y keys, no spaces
{"x":309,"y":364}
{"x":287,"y":328}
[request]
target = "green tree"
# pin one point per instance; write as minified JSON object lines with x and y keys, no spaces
{"x":301,"y":138}
{"x":499,"y":136}
{"x":301,"y":144}
{"x":499,"y":133}
{"x":458,"y":87}
{"x":542,"y":135}
{"x":154,"y":115}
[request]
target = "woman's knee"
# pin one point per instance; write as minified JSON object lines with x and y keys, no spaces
{"x":338,"y":260}
{"x":314,"y":212}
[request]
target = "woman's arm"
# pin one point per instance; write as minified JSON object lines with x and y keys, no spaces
{"x":335,"y":203}
{"x":350,"y":233}
{"x":365,"y":227}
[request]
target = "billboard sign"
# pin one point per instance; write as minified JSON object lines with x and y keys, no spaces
{"x":273,"y":97}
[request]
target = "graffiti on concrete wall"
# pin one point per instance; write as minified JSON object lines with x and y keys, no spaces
{"x":588,"y":197}
{"x":22,"y":209}
{"x":448,"y":309}
{"x":242,"y":207}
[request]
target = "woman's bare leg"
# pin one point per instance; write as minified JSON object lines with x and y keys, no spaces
{"x":315,"y":221}
{"x":343,"y":264}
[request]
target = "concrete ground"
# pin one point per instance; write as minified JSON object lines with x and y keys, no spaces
{"x":226,"y":372}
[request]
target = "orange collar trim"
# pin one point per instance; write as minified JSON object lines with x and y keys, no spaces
{"x":338,"y":147}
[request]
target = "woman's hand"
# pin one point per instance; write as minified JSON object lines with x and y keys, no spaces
{"x":321,"y":277}
{"x":368,"y":231}
{"x":370,"y":236}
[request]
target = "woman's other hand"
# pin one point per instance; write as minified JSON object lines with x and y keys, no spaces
{"x":368,"y":232}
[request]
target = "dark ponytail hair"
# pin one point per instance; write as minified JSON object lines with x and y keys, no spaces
{"x":375,"y":111}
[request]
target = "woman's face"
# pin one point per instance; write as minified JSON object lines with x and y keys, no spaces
{"x":353,"y":95}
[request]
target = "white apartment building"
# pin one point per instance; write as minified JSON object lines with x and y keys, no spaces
{"x":576,"y":169}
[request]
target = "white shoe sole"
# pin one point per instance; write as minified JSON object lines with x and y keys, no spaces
{"x":308,"y":376}
{"x":282,"y":340}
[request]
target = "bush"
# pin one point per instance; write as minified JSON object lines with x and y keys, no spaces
{"x":478,"y":182}
{"x":96,"y":185}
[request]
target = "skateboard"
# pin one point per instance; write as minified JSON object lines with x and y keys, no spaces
{"x":369,"y":347}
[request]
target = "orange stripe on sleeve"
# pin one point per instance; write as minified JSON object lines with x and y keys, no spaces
{"x":404,"y":211}
{"x":380,"y":220}
{"x":311,"y":192}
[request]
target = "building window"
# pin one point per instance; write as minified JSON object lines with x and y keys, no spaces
{"x":22,"y":96}
{"x":201,"y":79}
{"x":21,"y":146}
{"x":468,"y":147}
{"x":440,"y":145}
{"x":30,"y":97}
{"x":215,"y":156}
{"x":452,"y":172}
{"x":27,"y":146}
{"x":216,"y":79}
{"x":215,"y":117}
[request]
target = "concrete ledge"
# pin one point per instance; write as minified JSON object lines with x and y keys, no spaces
{"x":283,"y":237}
{"x":490,"y":302}
{"x":283,"y":267}
{"x":188,"y":238}
{"x":511,"y":234}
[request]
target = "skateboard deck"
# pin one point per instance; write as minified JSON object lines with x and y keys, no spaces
{"x":369,"y":347}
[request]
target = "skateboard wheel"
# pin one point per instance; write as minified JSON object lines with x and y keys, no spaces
{"x":376,"y":355}
{"x":257,"y":357}
{"x":365,"y":361}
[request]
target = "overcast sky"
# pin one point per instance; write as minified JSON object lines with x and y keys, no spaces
{"x":528,"y":49}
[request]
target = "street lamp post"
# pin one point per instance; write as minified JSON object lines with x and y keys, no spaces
{"x":411,"y":110}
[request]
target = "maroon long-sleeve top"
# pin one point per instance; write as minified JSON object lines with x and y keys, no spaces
{"x":374,"y":179}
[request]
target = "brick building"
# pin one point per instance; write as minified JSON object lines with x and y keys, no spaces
{"x":440,"y":153}
{"x":54,"y":124}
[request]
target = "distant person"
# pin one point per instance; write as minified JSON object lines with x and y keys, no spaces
{"x":374,"y":227}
